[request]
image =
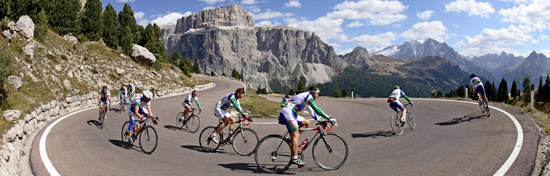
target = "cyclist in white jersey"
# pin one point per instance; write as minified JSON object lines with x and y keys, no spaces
{"x":289,"y":116}
{"x":187,"y":102}
{"x":477,"y":87}
{"x":131,"y":90}
{"x":104,"y":98}
{"x":122,"y":92}
{"x":139,"y":107}
{"x":396,"y":105}
{"x":227,"y":102}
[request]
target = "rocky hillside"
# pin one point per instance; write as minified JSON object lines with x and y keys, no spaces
{"x":225,"y":38}
{"x":431,"y":47}
{"x":56,"y":68}
{"x":535,"y":65}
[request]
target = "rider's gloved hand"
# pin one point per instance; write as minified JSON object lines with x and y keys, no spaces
{"x":333,"y":120}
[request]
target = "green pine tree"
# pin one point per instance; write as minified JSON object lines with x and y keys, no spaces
{"x":41,"y":25}
{"x":212,"y":73}
{"x":527,"y":88}
{"x":126,"y":41}
{"x":502,"y":91}
{"x":5,"y":8}
{"x":514,"y":89}
{"x":91,"y":21}
{"x":186,"y":67}
{"x":64,"y":17}
{"x":110,"y":26}
{"x":196,"y":66}
{"x":301,"y":87}
{"x":126,"y":19}
{"x":336,"y":92}
{"x":345,"y":93}
{"x":224,"y":75}
{"x":291,"y":92}
{"x":176,"y":59}
{"x":235,"y":74}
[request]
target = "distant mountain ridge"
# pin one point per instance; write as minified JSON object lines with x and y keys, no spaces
{"x":535,"y":65}
{"x":431,"y":47}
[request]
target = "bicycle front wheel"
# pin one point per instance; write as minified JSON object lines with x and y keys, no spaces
{"x":193,"y":123}
{"x":396,"y":125}
{"x":102,"y":119}
{"x":179,"y":120}
{"x":330,"y":152}
{"x":148,"y":139}
{"x":273,"y":154}
{"x":410,"y":120}
{"x":206,"y":141}
{"x":124,"y":133}
{"x":245,"y":141}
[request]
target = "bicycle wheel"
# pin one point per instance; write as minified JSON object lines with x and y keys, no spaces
{"x":179,"y":120}
{"x":487,"y":111}
{"x":396,"y":125}
{"x":206,"y":142}
{"x":245,"y":141}
{"x":124,"y":133}
{"x":193,"y":123}
{"x":148,"y":139}
{"x":410,"y":120}
{"x":102,"y":119}
{"x":330,"y":152}
{"x":273,"y":154}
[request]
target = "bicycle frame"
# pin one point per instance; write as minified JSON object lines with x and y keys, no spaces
{"x":239,"y":127}
{"x":320,"y":130}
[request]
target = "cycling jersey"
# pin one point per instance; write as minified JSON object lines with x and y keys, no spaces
{"x":104,"y":96}
{"x":289,"y":112}
{"x":476,"y":81}
{"x":122,"y":91}
{"x":138,"y":102}
{"x":227,"y":102}
{"x":394,"y":99}
{"x":189,"y":101}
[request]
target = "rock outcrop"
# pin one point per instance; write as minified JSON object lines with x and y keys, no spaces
{"x":225,"y":38}
{"x":25,"y":26}
{"x":70,"y":38}
{"x":142,"y":55}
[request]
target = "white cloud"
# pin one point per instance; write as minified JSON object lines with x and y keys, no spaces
{"x":377,"y":12}
{"x":490,"y":40}
{"x":139,"y":15}
{"x":170,"y":18}
{"x":124,"y":1}
{"x":473,"y":8}
{"x":435,"y":30}
{"x":545,"y":52}
{"x":354,"y":24}
{"x":249,"y":2}
{"x":293,"y":3}
{"x":211,"y":2}
{"x":544,"y":37}
{"x":343,"y":51}
{"x":536,"y":12}
{"x":378,"y":40}
{"x":253,"y":9}
{"x":425,"y":15}
{"x":268,"y":14}
{"x":140,"y":20}
{"x":325,"y":28}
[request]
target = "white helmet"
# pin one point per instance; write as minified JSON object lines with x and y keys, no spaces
{"x":147,"y":94}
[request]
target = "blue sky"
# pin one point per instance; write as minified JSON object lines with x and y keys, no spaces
{"x":472,"y":27}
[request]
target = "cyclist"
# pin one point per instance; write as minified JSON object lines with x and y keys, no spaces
{"x":227,"y":102}
{"x":187,"y":102}
{"x":122,"y":92}
{"x":396,"y":105}
{"x":131,"y":90}
{"x":139,"y":107}
{"x":289,"y":116}
{"x":477,"y":87}
{"x":104,"y":95}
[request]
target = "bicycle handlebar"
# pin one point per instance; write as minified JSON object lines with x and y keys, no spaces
{"x":325,"y":123}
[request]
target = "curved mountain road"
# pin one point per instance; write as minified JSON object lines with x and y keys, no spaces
{"x":449,"y":140}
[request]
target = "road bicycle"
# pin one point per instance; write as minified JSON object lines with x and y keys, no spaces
{"x":397,"y":126}
{"x":102,"y":116}
{"x":192,"y":123}
{"x":147,"y":134}
{"x":243,"y":139}
{"x":483,"y":105}
{"x":330,"y":150}
{"x":122,"y":101}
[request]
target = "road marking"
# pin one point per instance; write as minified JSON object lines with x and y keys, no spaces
{"x":42,"y":147}
{"x":519,"y":140}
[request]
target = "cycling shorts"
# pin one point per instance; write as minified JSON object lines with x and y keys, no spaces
{"x":396,"y":105}
{"x":220,"y":113}
{"x":105,"y":102}
{"x":480,"y":89}
{"x":292,"y":120}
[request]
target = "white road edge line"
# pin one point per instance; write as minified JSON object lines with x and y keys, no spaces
{"x":519,"y":140}
{"x":42,"y":147}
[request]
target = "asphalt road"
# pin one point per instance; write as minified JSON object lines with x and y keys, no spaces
{"x":451,"y":139}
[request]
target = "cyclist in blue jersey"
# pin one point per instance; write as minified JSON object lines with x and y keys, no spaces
{"x":227,"y":102}
{"x":140,"y":107}
{"x":104,"y":98}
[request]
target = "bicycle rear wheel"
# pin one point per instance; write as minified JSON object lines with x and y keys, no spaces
{"x":410,"y":120}
{"x":193,"y":123}
{"x":179,"y":120}
{"x":245,"y":142}
{"x":102,"y":119}
{"x":148,"y":139}
{"x":273,"y":154}
{"x":124,"y":133}
{"x":206,"y":142}
{"x":330,"y":152}
{"x":487,"y":111}
{"x":396,"y":126}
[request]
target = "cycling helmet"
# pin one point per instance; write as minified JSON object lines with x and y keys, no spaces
{"x":147,"y":94}
{"x":396,"y":87}
{"x":472,"y":75}
{"x":194,"y":92}
{"x":239,"y":90}
{"x":104,"y":87}
{"x":314,"y":89}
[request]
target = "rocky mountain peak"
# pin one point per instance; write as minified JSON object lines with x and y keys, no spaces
{"x":358,"y":57}
{"x":232,"y":15}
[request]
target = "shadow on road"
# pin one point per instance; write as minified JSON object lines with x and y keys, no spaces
{"x":118,"y":143}
{"x":117,"y":110}
{"x":242,"y":167}
{"x":199,"y":149}
{"x":174,"y":128}
{"x":471,"y":117}
{"x":94,"y":122}
{"x":373,"y":134}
